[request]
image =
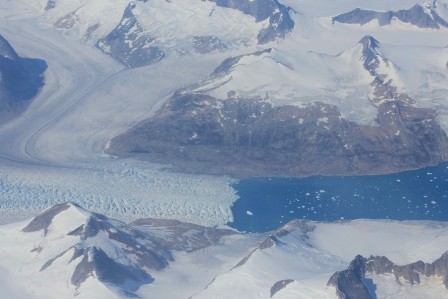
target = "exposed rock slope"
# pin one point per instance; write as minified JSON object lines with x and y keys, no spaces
{"x":420,"y":15}
{"x":354,"y":283}
{"x":257,"y":136}
{"x":111,"y":252}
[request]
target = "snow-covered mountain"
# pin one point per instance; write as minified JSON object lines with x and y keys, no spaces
{"x":127,"y":44}
{"x":87,"y":255}
{"x":299,"y":259}
{"x":370,"y":93}
{"x":420,"y":15}
{"x":325,"y":114}
{"x":140,"y":33}
{"x":366,"y":277}
{"x":20,"y":80}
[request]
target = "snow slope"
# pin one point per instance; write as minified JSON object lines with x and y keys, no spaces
{"x":148,"y":32}
{"x":40,"y":258}
{"x":297,"y":260}
{"x":303,"y":257}
{"x":68,"y":252}
{"x":287,"y":76}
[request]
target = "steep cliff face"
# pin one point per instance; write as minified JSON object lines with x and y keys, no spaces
{"x":349,"y":283}
{"x":128,"y":44}
{"x":355,"y":281}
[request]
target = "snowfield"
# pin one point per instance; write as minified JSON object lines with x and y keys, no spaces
{"x":310,"y":261}
{"x":301,"y":257}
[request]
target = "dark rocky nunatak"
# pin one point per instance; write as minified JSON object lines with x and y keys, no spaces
{"x":44,"y":219}
{"x":353,"y":283}
{"x":180,"y":236}
{"x":422,"y":17}
{"x":279,"y":285}
{"x":280,"y":22}
{"x":128,"y":44}
{"x":349,"y":283}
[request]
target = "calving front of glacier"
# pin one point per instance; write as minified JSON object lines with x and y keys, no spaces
{"x":123,"y":190}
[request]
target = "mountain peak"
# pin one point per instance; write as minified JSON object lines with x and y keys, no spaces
{"x":44,"y":220}
{"x":369,"y":42}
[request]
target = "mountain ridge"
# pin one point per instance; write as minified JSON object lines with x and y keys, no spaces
{"x":421,"y":16}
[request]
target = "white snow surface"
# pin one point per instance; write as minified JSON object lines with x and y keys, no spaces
{"x":323,"y":62}
{"x":387,"y":288}
{"x":172,"y":24}
{"x":310,"y":262}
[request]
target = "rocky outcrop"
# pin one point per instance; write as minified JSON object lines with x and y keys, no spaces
{"x":250,"y":137}
{"x":274,"y":239}
{"x":50,"y":5}
{"x":422,"y":16}
{"x":112,"y":252}
{"x":128,"y":44}
{"x":280,"y":22}
{"x":351,"y":283}
{"x":135,"y":45}
{"x":95,"y":262}
{"x":208,"y":44}
{"x":279,"y":285}
{"x":43,"y":220}
{"x":180,"y":236}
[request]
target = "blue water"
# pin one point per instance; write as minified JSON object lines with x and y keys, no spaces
{"x":267,"y":203}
